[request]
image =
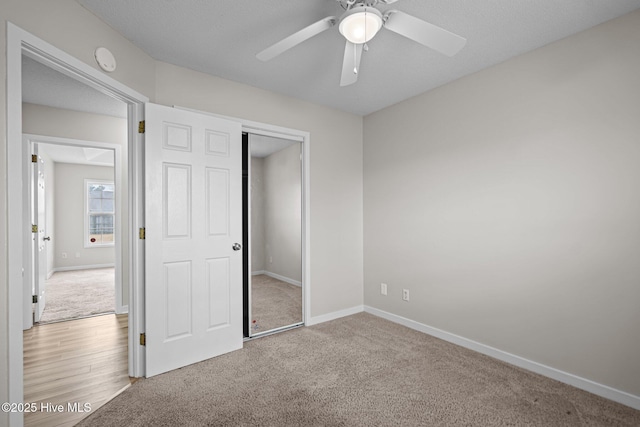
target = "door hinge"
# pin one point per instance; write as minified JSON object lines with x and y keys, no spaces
{"x":142,"y":233}
{"x":141,"y":126}
{"x":34,"y":299}
{"x":143,"y":339}
{"x":34,"y":228}
{"x":34,"y":158}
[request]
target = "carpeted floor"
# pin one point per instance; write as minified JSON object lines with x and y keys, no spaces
{"x":274,"y":303}
{"x":79,"y":293}
{"x":356,"y":371}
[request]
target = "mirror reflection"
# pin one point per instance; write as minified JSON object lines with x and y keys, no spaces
{"x":276,"y":230}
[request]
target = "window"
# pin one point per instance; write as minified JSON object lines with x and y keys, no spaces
{"x":100,"y":213}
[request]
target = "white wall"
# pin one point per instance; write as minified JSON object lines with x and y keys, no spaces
{"x":508,"y":203}
{"x":69,"y":224}
{"x":283,"y":213}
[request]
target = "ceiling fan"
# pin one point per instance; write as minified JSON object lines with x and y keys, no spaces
{"x":360,"y":22}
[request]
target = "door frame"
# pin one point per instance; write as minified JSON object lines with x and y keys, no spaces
{"x":27,"y":141}
{"x":21,"y":42}
{"x":264,"y":129}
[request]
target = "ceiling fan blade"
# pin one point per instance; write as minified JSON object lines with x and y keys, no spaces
{"x":297,"y":38}
{"x":351,"y":63}
{"x":424,"y":33}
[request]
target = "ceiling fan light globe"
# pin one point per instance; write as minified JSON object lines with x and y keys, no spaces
{"x":360,"y":24}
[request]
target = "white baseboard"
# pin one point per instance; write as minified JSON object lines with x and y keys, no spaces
{"x":121,"y":309}
{"x":82,"y":267}
{"x":334,"y":315}
{"x":547,"y":371}
{"x":279,"y":277}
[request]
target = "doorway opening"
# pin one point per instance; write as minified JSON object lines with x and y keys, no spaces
{"x":73,"y":190}
{"x":77,"y":262}
{"x":21,"y":43}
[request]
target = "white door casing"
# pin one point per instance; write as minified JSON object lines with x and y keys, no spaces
{"x":193,"y":209}
{"x":39,"y":242}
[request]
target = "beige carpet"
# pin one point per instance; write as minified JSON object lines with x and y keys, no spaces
{"x":274,"y":303}
{"x":79,"y":293}
{"x":357,"y":371}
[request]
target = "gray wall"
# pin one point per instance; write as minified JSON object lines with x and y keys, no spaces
{"x":282,"y":213}
{"x":69,"y":217}
{"x":257,"y":214}
{"x":507,"y":202}
{"x":276,"y":213}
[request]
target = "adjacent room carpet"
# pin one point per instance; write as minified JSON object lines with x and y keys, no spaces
{"x":79,"y":293}
{"x":356,"y":371}
{"x":274,"y":303}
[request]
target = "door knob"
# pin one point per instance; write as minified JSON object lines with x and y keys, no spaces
{"x":237,"y":246}
{"x":46,"y":238}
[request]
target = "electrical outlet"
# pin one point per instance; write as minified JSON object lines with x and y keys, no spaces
{"x":270,"y":260}
{"x":383,"y":288}
{"x":405,"y":295}
{"x":64,"y":254}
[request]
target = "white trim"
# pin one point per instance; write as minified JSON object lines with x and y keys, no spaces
{"x":281,"y":278}
{"x":258,"y":128}
{"x":257,"y":273}
{"x":21,"y":42}
{"x":83,"y":267}
{"x":335,"y":315}
{"x":15,"y":303}
{"x":556,"y":374}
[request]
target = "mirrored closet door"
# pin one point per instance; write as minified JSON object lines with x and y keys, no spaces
{"x":274,"y":222}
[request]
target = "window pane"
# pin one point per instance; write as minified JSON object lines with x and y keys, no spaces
{"x":101,"y":229}
{"x":95,"y":205}
{"x":107,"y":205}
{"x":95,"y":191}
{"x":100,"y":201}
{"x":108,"y":191}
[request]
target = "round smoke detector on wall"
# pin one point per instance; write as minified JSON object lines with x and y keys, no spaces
{"x":105,"y":59}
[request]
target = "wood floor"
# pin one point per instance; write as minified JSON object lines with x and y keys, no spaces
{"x":71,"y":364}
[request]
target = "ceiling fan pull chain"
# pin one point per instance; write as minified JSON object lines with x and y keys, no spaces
{"x":355,"y":60}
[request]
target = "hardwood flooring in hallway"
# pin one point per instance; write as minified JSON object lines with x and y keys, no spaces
{"x":74,"y":363}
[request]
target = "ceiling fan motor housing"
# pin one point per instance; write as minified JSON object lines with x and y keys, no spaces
{"x":360,"y":23}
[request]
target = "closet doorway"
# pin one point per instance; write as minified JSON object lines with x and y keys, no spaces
{"x":273,"y":234}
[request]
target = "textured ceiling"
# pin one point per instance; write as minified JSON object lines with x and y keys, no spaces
{"x":222,"y":37}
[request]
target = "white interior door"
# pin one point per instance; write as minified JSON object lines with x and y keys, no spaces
{"x":39,"y":238}
{"x":193,"y":210}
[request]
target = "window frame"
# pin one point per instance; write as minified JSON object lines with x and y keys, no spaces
{"x":87,"y":214}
